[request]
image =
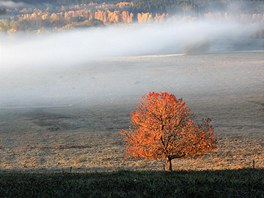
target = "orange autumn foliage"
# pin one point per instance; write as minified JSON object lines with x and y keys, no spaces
{"x":164,"y":127}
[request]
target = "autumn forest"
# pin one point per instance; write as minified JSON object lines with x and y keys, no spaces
{"x":44,"y":16}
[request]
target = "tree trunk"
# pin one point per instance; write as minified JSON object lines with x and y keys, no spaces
{"x":168,"y":166}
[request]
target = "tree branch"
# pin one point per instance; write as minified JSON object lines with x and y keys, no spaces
{"x":177,"y":156}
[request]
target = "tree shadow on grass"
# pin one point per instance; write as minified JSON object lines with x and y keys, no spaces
{"x":219,"y":183}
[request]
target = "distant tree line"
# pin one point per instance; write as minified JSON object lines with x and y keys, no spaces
{"x":194,"y":6}
{"x":55,"y":18}
{"x":69,"y":1}
{"x":156,"y":6}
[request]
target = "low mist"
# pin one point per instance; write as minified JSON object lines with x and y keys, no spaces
{"x":10,"y":4}
{"x":45,"y":69}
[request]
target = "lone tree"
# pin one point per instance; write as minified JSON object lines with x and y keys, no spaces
{"x":163,"y":127}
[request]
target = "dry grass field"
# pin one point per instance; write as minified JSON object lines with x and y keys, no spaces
{"x":42,"y":139}
{"x":227,"y":88}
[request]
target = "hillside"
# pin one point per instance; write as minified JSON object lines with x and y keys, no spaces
{"x":48,"y":15}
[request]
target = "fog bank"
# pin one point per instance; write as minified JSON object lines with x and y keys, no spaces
{"x":80,"y":46}
{"x":45,"y":68}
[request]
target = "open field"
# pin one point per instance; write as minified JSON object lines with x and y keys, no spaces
{"x":61,"y":144}
{"x":76,"y":124}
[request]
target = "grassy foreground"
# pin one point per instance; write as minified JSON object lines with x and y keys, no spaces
{"x":224,"y":183}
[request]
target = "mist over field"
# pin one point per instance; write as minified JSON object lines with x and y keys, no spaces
{"x":172,"y":36}
{"x":42,"y":67}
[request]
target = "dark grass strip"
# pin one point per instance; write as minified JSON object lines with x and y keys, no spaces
{"x":224,"y":183}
